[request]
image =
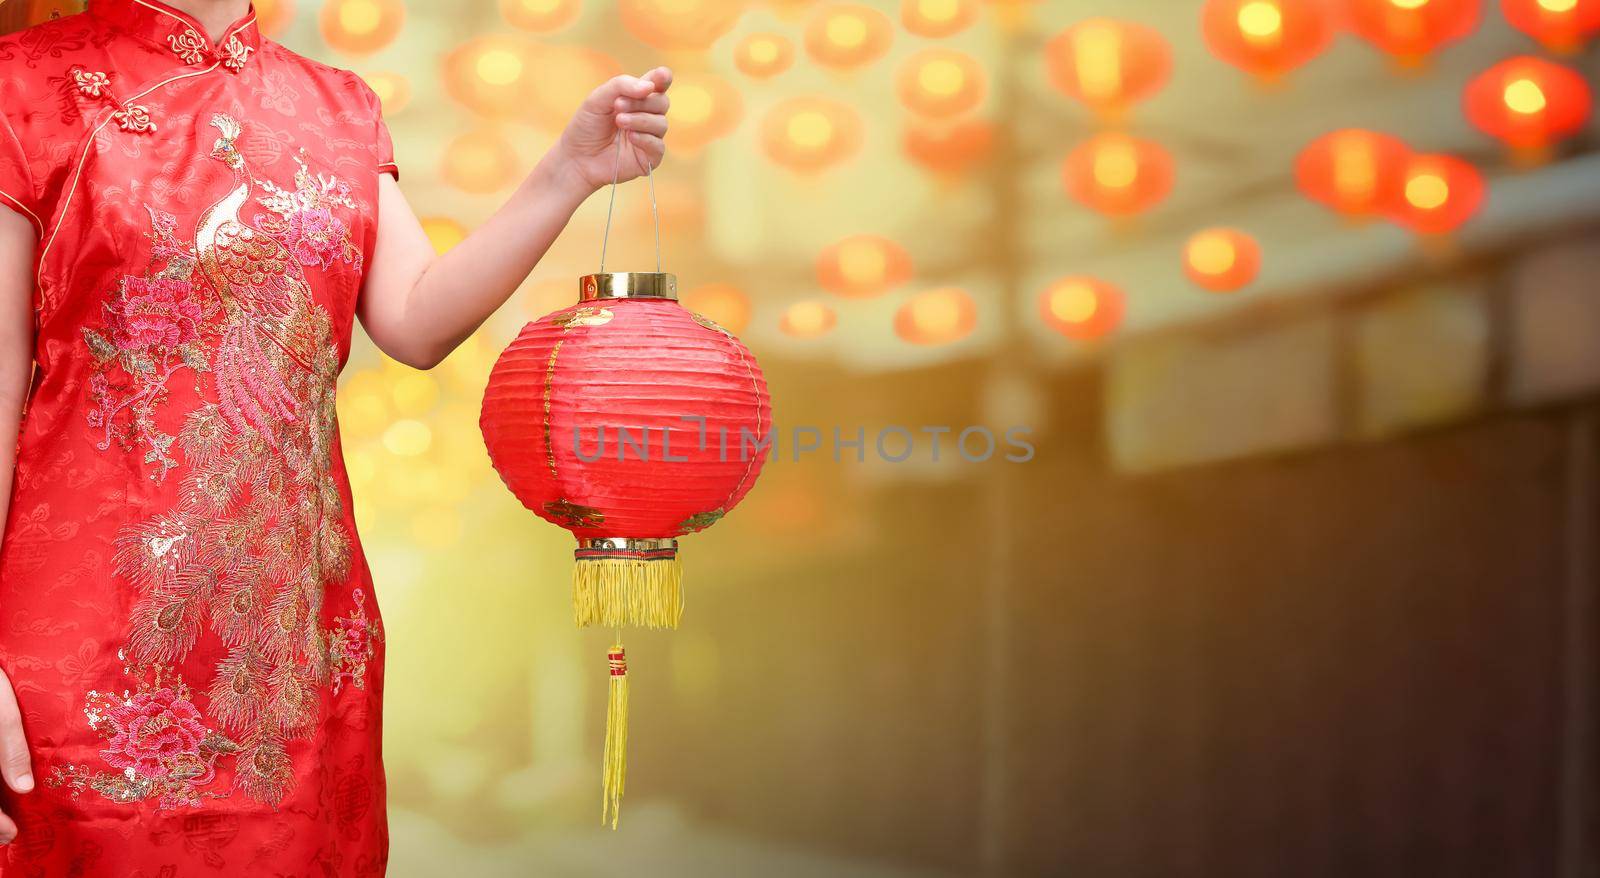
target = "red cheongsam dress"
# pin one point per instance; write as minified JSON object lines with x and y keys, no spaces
{"x":185,"y":612}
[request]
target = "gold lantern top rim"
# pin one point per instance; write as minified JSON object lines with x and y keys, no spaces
{"x":628,"y":285}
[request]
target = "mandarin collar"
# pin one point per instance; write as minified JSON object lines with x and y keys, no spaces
{"x":180,"y":34}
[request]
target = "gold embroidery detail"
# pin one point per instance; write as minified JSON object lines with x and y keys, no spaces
{"x":708,"y":323}
{"x":134,"y":118}
{"x":91,"y":83}
{"x":549,"y":390}
{"x":569,"y":514}
{"x":189,"y":45}
{"x":235,"y":53}
{"x":585,"y":316}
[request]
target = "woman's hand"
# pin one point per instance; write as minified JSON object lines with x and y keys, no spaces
{"x":15,"y":764}
{"x":626,"y":106}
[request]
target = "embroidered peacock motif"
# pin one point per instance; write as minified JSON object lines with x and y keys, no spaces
{"x":256,"y":532}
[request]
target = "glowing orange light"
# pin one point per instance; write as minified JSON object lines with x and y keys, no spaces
{"x":808,"y":319}
{"x":1354,"y":171}
{"x":392,"y":89}
{"x":1562,"y":25}
{"x":938,"y":18}
{"x":1118,"y":175}
{"x":361,"y":27}
{"x":1528,"y":102}
{"x":1266,"y":37}
{"x":848,"y":35}
{"x":725,"y":304}
{"x":1411,"y":29}
{"x":480,"y":162}
{"x":763,"y":55}
{"x":863,"y":266}
{"x":680,"y":24}
{"x":937,"y":316}
{"x":704,"y":108}
{"x":1082,"y":308}
{"x":491,"y":74}
{"x":1221,"y":260}
{"x":1438,"y":194}
{"x":443,"y":232}
{"x":272,"y":16}
{"x":540,"y":16}
{"x":940,"y":83}
{"x":1108,"y":64}
{"x":810,"y":134}
{"x":950,"y":148}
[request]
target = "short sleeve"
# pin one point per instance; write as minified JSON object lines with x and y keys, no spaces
{"x":382,"y":143}
{"x":17,"y":190}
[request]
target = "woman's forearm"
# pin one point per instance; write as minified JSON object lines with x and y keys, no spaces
{"x":419,"y":309}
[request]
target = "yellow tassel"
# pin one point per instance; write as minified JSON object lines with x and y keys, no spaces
{"x":616,"y":755}
{"x":615,"y":592}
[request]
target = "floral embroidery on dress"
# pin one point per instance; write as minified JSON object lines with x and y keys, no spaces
{"x":158,"y":741}
{"x":135,"y":119}
{"x":256,"y":530}
{"x":236,"y":53}
{"x":90,"y":83}
{"x":189,"y":46}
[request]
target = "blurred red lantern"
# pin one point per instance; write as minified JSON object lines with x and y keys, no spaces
{"x":361,"y":27}
{"x":1561,"y":25}
{"x":273,"y":15}
{"x":1118,"y":175}
{"x":540,"y":16}
{"x":1354,"y":171}
{"x":1108,"y":64}
{"x":1266,"y":37}
{"x":723,"y":303}
{"x":1411,"y":29}
{"x":949,"y":149}
{"x":808,"y":319}
{"x":704,"y":108}
{"x":1082,"y":308}
{"x":480,"y":161}
{"x":940,"y":83}
{"x":937,"y":316}
{"x":679,"y":24}
{"x":763,"y":55}
{"x":848,"y":35}
{"x":863,"y":266}
{"x":1528,"y":102}
{"x":629,"y":421}
{"x":810,"y":134}
{"x":938,"y":18}
{"x":1221,"y":260}
{"x":1438,"y":193}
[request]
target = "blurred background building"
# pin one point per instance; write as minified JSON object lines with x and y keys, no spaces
{"x":1300,"y":302}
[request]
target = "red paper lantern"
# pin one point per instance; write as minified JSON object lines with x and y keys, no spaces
{"x":1266,"y":37}
{"x":1118,"y":175}
{"x":1561,"y":25}
{"x":1410,"y":29}
{"x":1221,"y":260}
{"x":949,"y":149}
{"x":940,"y":83}
{"x":1438,"y":193}
{"x":863,"y":266}
{"x":1108,"y":64}
{"x":630,"y":421}
{"x":1528,"y":102}
{"x":1082,"y":308}
{"x":1354,"y":171}
{"x":844,"y":36}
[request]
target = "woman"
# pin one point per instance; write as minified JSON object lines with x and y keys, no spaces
{"x":195,"y":218}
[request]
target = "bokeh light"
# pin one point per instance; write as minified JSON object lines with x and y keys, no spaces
{"x":393,"y":90}
{"x":1438,"y":193}
{"x":1082,"y":308}
{"x":950,"y":148}
{"x":1267,"y":38}
{"x":272,"y":16}
{"x":811,"y":134}
{"x":936,"y":19}
{"x":540,"y":16}
{"x":863,"y":266}
{"x":940,"y":83}
{"x":1117,"y":174}
{"x":1561,"y":25}
{"x":723,"y":303}
{"x":361,"y":27}
{"x":1221,"y":260}
{"x":680,"y":24}
{"x":1354,"y":171}
{"x":1528,"y":102}
{"x":443,"y":232}
{"x":704,"y":108}
{"x":1411,"y":29}
{"x":763,"y":55}
{"x":808,"y":319}
{"x":937,"y":316}
{"x":1108,"y":64}
{"x":844,"y":36}
{"x":480,"y":161}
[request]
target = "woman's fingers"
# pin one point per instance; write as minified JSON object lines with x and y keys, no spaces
{"x":644,"y":123}
{"x":15,"y":765}
{"x":661,"y":77}
{"x":648,"y":150}
{"x":603,"y":98}
{"x":656,"y":103}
